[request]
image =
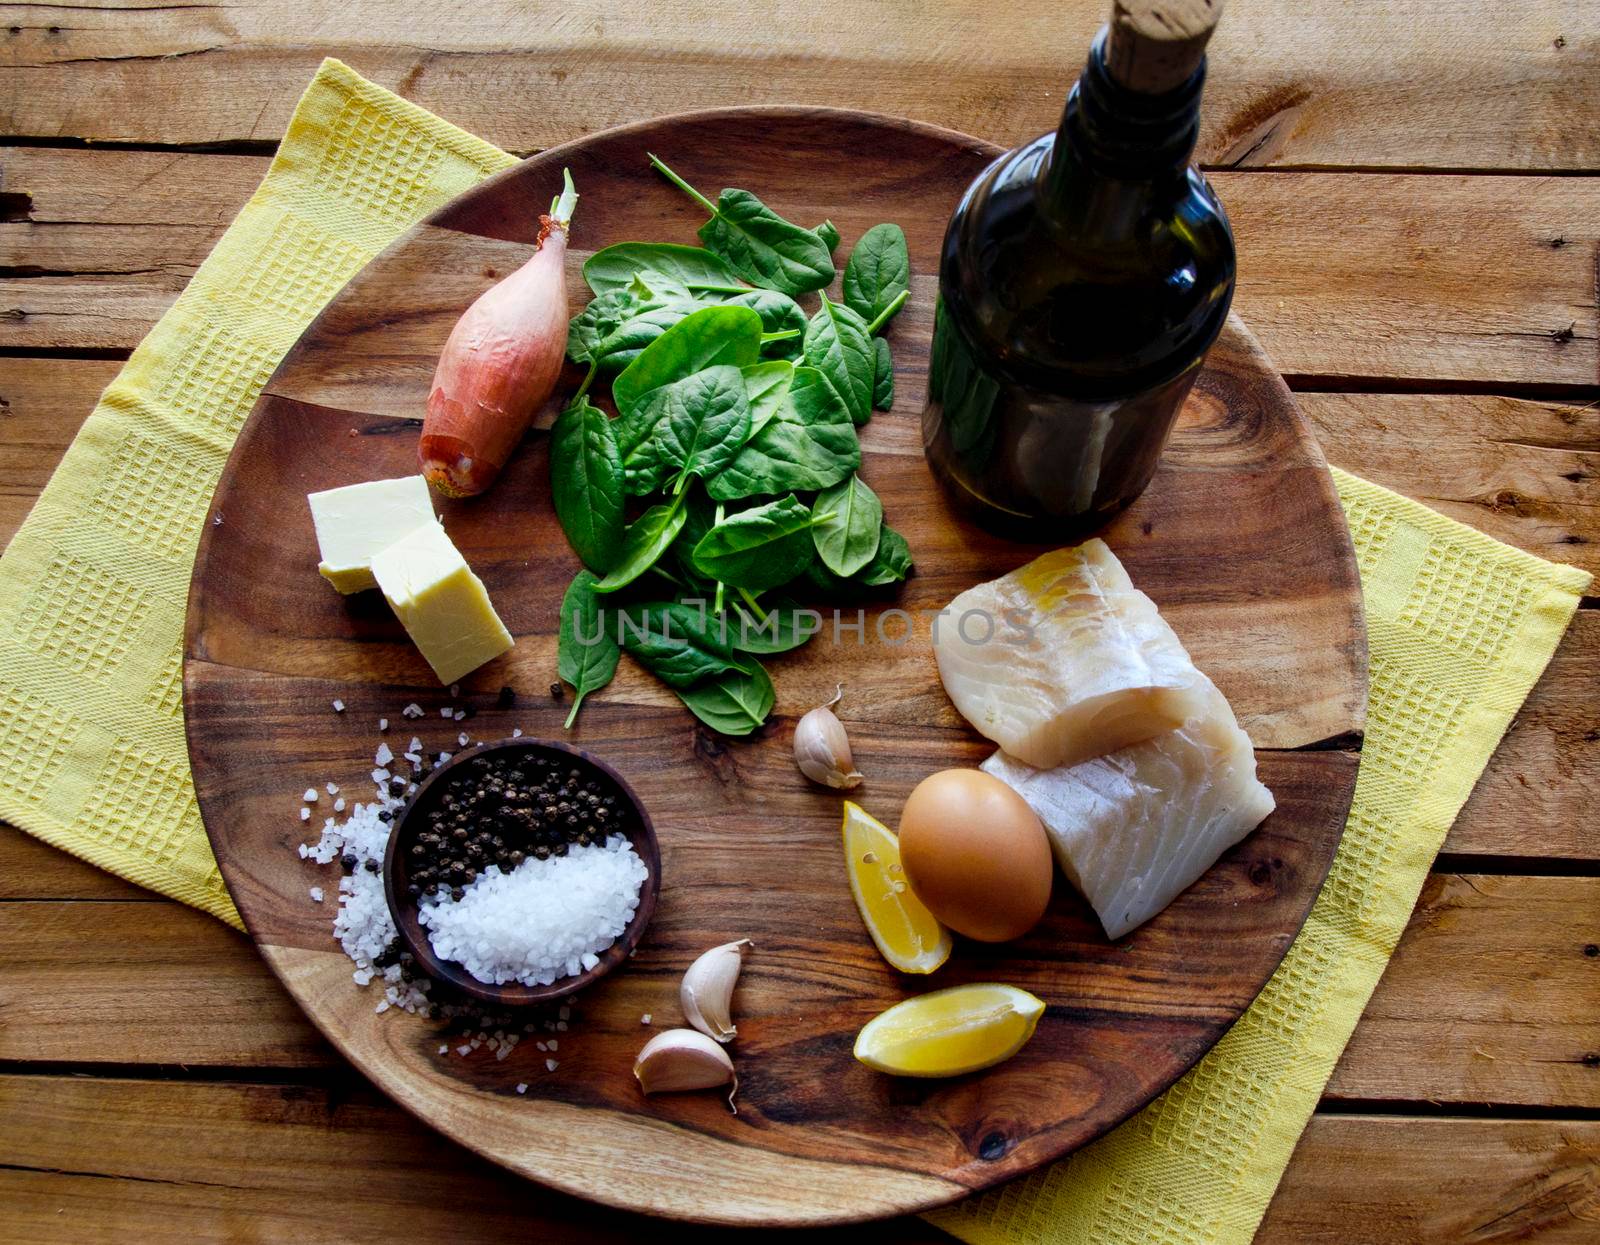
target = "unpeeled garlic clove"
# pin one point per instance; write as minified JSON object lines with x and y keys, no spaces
{"x":682,"y":1059}
{"x":822,"y":749}
{"x":707,"y":990}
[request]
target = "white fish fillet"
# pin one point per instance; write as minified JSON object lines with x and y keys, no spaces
{"x":1135,"y":829}
{"x":1067,"y":659}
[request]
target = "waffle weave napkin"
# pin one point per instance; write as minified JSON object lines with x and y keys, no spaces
{"x":93,"y":591}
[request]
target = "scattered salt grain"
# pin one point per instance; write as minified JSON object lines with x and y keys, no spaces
{"x":384,"y":755}
{"x":455,"y":690}
{"x":552,"y":1044}
{"x":544,"y":920}
{"x":413,"y":710}
{"x":338,"y":706}
{"x":551,"y":1064}
{"x":564,"y":1012}
{"x":316,"y":894}
{"x":516,"y":733}
{"x":333,"y":788}
{"x":445,"y":756}
{"x":383,"y":1006}
{"x":464,"y":1050}
{"x":380,"y":776}
{"x":416,"y":745}
{"x":462,"y":739}
{"x":540,"y":1046}
{"x":310,"y":797}
{"x":561,"y":1026}
{"x":522,"y":1087}
{"x":338,"y":805}
{"x":383,"y":724}
{"x":459,"y":715}
{"x":645,"y":1019}
{"x":305,"y":814}
{"x":445,"y":1049}
{"x":447,"y":712}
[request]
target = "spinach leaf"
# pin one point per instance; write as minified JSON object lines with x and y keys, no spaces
{"x":849,"y":518}
{"x":829,"y":233}
{"x":646,"y":539}
{"x":766,"y":385}
{"x":758,"y":548}
{"x":878,"y":272}
{"x":890,"y":566}
{"x":680,"y":644}
{"x":778,"y":632}
{"x":892,"y":562}
{"x":759,"y":244}
{"x":882,"y":376}
{"x":586,"y":656}
{"x":838,"y":345}
{"x":808,"y":444}
{"x":708,"y":420}
{"x":709,"y":336}
{"x":615,"y":266}
{"x":700,"y":517}
{"x":586,"y":483}
{"x":735,"y":703}
{"x":604,"y":314}
{"x":779,"y":314}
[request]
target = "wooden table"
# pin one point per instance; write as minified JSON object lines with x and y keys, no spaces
{"x":1415,"y":192}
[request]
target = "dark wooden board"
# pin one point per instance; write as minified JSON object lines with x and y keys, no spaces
{"x":1240,"y":540}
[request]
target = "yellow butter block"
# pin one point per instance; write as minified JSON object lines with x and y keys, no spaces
{"x":444,"y":606}
{"x":355,"y":522}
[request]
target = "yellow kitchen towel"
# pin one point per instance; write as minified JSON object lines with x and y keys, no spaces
{"x":92,"y":595}
{"x":93,"y":587}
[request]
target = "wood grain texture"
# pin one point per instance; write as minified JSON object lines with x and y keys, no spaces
{"x":1393,"y":287}
{"x":1496,"y":86}
{"x":1490,"y":999}
{"x":93,"y":1160}
{"x":1492,"y":996}
{"x":1279,"y":610}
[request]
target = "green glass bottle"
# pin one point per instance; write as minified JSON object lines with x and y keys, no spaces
{"x":1084,"y":276}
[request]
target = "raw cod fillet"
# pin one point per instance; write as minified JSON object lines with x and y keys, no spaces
{"x":1100,"y":670}
{"x":1135,"y":829}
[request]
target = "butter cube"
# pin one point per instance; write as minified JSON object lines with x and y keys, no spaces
{"x":443,"y":605}
{"x":353,"y":523}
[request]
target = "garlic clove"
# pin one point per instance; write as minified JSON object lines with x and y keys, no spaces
{"x":682,"y":1059}
{"x":707,"y":990}
{"x":822,"y":749}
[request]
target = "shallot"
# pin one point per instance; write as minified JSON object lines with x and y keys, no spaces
{"x":500,"y":365}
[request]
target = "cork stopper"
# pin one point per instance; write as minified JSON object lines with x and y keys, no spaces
{"x":1156,"y":45}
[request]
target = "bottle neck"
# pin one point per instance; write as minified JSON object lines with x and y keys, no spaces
{"x":1110,"y":131}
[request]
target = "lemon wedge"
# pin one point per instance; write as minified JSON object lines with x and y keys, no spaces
{"x":950,"y":1031}
{"x":908,"y":935}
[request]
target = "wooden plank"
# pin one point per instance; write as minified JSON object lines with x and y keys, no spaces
{"x":1496,"y":86}
{"x":43,"y":402}
{"x":154,"y":983}
{"x":1379,"y":1180}
{"x":1538,"y":795}
{"x":1394,"y":294}
{"x":87,"y":1159}
{"x":1490,"y":998}
{"x":1527,"y":473}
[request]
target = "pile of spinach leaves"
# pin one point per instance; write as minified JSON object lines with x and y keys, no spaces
{"x":734,"y":449}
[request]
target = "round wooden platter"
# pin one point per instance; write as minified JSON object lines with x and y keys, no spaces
{"x":1240,"y":540}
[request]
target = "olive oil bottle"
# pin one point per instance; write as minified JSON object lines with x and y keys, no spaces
{"x":1084,"y":276}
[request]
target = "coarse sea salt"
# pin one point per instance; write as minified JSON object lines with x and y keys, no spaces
{"x":544,"y":920}
{"x":365,"y":930}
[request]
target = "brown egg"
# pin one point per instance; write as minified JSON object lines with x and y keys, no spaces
{"x":976,"y":855}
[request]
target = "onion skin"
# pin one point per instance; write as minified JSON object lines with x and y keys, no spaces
{"x":499,"y":366}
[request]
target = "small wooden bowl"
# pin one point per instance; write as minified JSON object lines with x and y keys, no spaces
{"x":410,"y":823}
